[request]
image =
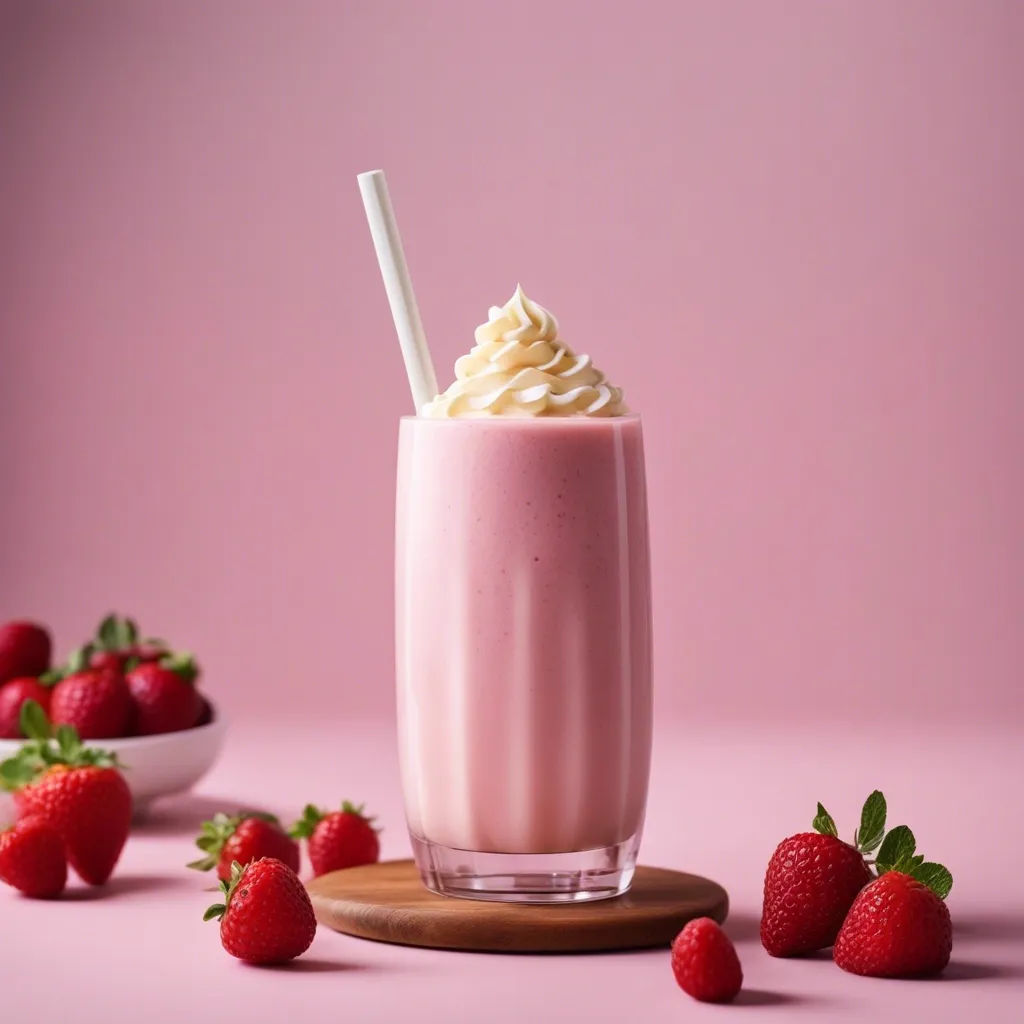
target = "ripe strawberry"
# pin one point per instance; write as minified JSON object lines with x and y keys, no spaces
{"x":339,"y":839}
{"x":205,"y":712}
{"x":243,"y":838}
{"x":813,"y":878}
{"x":97,"y":704}
{"x":25,"y":650}
{"x":32,"y":859}
{"x":266,"y":916}
{"x":117,"y":644}
{"x":897,"y":927}
{"x":77,"y":790}
{"x":705,"y":963}
{"x":13,"y":695}
{"x":164,"y":696}
{"x":108,"y":661}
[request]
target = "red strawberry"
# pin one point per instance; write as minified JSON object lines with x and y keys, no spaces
{"x":25,"y":650}
{"x":813,"y":878}
{"x":13,"y":695}
{"x":117,"y":644}
{"x":205,"y":712}
{"x":898,"y":927}
{"x":339,"y":839}
{"x":97,"y":704}
{"x":32,"y":859}
{"x":243,"y":838}
{"x":705,"y":963}
{"x":108,"y":661}
{"x":165,"y":701}
{"x":266,"y":916}
{"x":76,"y":790}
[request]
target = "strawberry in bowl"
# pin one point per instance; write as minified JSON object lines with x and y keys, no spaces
{"x":136,"y":694}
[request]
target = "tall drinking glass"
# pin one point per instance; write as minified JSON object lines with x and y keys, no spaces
{"x":523,"y":649}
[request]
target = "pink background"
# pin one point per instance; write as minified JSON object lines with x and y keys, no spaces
{"x":792,"y":231}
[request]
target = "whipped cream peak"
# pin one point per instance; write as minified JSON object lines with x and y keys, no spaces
{"x":520,"y":367}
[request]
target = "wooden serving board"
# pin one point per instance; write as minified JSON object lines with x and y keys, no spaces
{"x":388,"y":902}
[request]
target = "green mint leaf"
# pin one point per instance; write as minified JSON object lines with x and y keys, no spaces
{"x":824,"y":824}
{"x":33,"y":721}
{"x":935,"y":876}
{"x":898,"y":845}
{"x":872,"y":823}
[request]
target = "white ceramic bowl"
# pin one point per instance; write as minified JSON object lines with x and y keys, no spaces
{"x":155,"y":766}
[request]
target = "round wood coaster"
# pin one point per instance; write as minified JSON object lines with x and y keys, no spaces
{"x":388,"y":902}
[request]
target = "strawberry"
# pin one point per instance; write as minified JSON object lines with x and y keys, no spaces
{"x":25,"y":650}
{"x":164,"y":697}
{"x":117,"y":644}
{"x":339,"y":839}
{"x":97,"y":703}
{"x":266,"y":916}
{"x":205,"y":712}
{"x":705,"y":963}
{"x":813,"y":878}
{"x":899,"y":926}
{"x":32,"y":859}
{"x":13,"y":695}
{"x":108,"y":661}
{"x":77,"y":790}
{"x":242,"y":838}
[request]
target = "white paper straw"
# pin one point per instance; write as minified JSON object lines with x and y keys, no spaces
{"x":388,"y":243}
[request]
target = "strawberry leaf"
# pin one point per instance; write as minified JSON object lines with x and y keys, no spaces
{"x":935,"y":876}
{"x":183,"y":664}
{"x":15,"y":773}
{"x":824,"y":824}
{"x":33,"y":721}
{"x":78,"y":660}
{"x":116,"y":633}
{"x":897,"y":846}
{"x":306,"y":825}
{"x":872,"y":823}
{"x":218,"y":910}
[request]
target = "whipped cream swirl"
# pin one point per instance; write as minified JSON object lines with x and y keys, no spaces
{"x":520,"y":367}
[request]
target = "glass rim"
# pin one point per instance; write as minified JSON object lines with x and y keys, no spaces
{"x":519,"y":421}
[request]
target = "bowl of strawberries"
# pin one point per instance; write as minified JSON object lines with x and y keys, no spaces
{"x":134,"y":696}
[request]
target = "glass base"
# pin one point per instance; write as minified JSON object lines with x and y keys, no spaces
{"x":527,"y":877}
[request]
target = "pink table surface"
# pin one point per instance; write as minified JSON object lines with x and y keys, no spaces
{"x":719,"y":803}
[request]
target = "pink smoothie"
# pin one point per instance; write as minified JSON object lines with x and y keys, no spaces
{"x":523,"y":632}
